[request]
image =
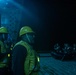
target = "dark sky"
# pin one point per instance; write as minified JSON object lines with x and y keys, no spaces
{"x":56,"y":21}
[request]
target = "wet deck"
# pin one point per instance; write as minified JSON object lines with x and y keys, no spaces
{"x":52,"y":66}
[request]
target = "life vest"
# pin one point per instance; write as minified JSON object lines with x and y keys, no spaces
{"x":5,"y":59}
{"x":31,"y":61}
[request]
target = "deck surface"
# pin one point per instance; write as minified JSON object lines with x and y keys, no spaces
{"x":52,"y":66}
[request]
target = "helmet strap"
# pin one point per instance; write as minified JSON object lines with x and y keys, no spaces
{"x":28,"y":38}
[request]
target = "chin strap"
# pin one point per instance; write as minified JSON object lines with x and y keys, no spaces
{"x":28,"y":38}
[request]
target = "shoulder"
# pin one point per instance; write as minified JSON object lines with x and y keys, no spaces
{"x":19,"y":49}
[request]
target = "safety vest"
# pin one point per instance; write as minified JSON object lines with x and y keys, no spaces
{"x":31,"y":61}
{"x":5,"y":59}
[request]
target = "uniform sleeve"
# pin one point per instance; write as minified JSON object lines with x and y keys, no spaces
{"x":18,"y":58}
